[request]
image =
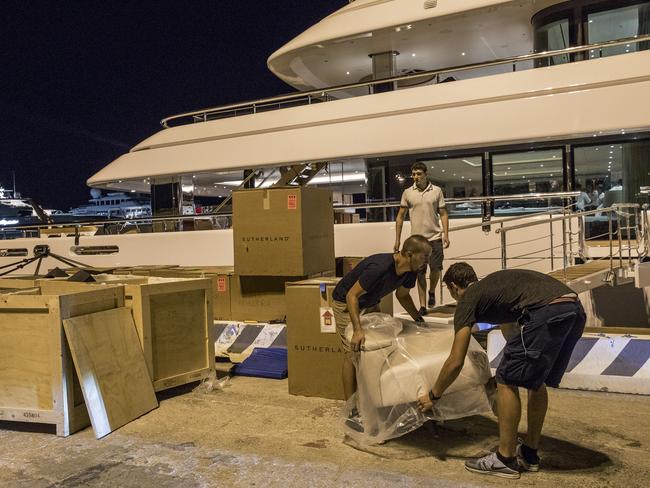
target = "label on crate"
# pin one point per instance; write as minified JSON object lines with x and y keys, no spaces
{"x":221,"y":284}
{"x":327,"y":322}
{"x":292,"y":202}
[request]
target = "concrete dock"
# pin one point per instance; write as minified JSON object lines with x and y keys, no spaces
{"x":253,"y":433}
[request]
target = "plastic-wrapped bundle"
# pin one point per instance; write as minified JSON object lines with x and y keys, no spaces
{"x":400,"y":362}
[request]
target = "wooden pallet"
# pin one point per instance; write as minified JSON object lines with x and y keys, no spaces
{"x":38,"y":383}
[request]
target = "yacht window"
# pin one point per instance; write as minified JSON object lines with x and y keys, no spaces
{"x":459,"y":177}
{"x":527,"y":172}
{"x":608,"y":174}
{"x":619,"y":23}
{"x":551,"y":37}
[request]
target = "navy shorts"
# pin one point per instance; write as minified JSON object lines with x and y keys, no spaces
{"x":540,"y":353}
{"x":437,"y":255}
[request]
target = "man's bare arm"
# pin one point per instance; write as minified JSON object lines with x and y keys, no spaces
{"x":352,"y":301}
{"x":444,"y":220}
{"x":399,"y":223}
{"x":451,"y":369}
{"x":404,"y":297}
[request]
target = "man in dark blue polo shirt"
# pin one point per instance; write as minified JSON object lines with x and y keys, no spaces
{"x":362,"y":288}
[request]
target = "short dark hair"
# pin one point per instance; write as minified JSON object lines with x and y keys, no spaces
{"x":461,"y":274}
{"x":419,"y":165}
{"x":416,"y":244}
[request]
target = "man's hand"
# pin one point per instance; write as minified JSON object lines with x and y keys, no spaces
{"x":424,"y":403}
{"x":358,"y":340}
{"x":445,"y":241}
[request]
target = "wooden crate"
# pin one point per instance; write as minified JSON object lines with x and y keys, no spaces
{"x":8,"y":285}
{"x":172,"y":318}
{"x":38,"y":382}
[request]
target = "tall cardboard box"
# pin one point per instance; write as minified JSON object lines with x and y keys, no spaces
{"x":346,"y":264}
{"x":315,"y":352}
{"x":287,"y":231}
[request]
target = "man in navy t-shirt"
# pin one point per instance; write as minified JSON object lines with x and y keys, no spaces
{"x":362,"y":288}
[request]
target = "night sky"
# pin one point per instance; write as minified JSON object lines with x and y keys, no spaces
{"x":82,"y":81}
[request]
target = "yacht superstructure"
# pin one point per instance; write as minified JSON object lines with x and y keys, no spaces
{"x":509,"y":103}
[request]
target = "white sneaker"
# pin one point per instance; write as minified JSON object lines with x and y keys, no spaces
{"x":491,"y":464}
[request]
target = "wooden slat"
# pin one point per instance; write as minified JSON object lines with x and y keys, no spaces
{"x":111,"y":367}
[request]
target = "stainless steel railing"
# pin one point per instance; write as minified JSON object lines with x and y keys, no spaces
{"x":326,"y":94}
{"x":629,"y":219}
{"x":136,"y":223}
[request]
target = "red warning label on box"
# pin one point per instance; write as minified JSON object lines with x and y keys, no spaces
{"x":292,"y":202}
{"x":221,"y":284}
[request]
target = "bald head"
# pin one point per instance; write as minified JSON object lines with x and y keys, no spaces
{"x":416,"y":244}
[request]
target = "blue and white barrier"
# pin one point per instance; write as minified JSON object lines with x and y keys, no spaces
{"x":600,"y":362}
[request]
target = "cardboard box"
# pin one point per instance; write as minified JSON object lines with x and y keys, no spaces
{"x":315,"y":357}
{"x":252,"y":298}
{"x":346,"y":264}
{"x":283,"y":231}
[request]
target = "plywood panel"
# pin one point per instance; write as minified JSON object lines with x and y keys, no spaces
{"x":111,"y":368}
{"x":25,"y":367}
{"x":178,"y":332}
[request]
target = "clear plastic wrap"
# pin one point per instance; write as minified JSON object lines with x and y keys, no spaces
{"x":400,"y":362}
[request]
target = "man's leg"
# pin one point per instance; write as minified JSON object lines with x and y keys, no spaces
{"x":537,"y":406}
{"x":503,"y":462}
{"x":509,"y":409}
{"x":434,"y":279}
{"x":349,"y":376}
{"x":435,"y":264}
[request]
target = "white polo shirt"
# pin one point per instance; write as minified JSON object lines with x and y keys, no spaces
{"x":424,"y":209}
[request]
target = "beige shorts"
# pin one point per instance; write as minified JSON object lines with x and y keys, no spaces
{"x":342,"y":319}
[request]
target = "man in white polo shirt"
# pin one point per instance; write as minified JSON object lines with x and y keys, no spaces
{"x":426,"y":206}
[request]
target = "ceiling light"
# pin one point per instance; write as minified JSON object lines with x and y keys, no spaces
{"x":347,"y":72}
{"x":469,"y":179}
{"x":462,"y":54}
{"x":408,"y":27}
{"x":413,"y":54}
{"x":541,"y":165}
{"x":398,"y":29}
{"x":443,"y":170}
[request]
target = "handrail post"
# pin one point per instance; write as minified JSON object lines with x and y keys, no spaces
{"x":570,"y":235}
{"x":504,"y":256}
{"x":582,"y":238}
{"x":611,"y":239}
{"x":629,"y":239}
{"x":620,"y":239}
{"x":552,"y":243}
{"x":565,"y":260}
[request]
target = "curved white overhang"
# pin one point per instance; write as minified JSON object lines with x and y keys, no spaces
{"x":427,"y":39}
{"x":555,"y":103}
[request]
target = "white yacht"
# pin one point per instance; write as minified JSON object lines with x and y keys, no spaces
{"x":512,"y":105}
{"x":114,"y":205}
